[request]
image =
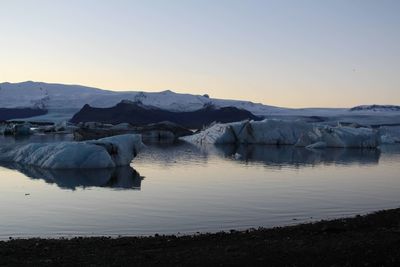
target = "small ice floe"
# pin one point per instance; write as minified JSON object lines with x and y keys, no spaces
{"x":390,"y":134}
{"x":16,"y":129}
{"x":237,"y":156}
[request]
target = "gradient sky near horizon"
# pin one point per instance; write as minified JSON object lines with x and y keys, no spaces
{"x":285,"y":53}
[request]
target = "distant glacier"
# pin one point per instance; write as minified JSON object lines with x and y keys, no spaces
{"x":61,"y":102}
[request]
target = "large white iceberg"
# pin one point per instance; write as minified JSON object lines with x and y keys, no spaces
{"x":108,"y":152}
{"x":276,"y":132}
{"x":280,"y":132}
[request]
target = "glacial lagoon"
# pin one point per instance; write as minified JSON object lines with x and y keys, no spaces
{"x":184,"y":189}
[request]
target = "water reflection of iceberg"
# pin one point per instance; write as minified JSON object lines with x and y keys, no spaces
{"x":118,"y":178}
{"x":270,"y":156}
{"x":293,"y":156}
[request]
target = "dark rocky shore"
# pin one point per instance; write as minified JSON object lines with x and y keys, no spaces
{"x":372,"y":240}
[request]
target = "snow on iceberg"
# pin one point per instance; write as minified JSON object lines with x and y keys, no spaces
{"x":108,"y":152}
{"x":389,"y":134}
{"x":280,"y":132}
{"x":342,"y":136}
{"x":274,"y":132}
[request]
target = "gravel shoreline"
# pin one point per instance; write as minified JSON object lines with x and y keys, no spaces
{"x":370,"y":240}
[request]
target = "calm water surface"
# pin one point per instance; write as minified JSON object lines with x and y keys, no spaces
{"x":184,"y":189}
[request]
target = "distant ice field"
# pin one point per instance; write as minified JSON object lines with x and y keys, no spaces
{"x":63,"y":101}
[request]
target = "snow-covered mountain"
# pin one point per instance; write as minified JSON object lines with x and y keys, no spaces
{"x":56,"y":97}
{"x":63,"y":101}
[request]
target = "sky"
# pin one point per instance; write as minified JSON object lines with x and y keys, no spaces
{"x":321,"y":53}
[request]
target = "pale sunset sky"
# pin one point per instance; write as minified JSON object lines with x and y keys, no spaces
{"x":298,"y":53}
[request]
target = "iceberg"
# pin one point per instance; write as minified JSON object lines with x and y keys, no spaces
{"x":346,"y":137}
{"x":281,"y":132}
{"x":389,"y":134}
{"x":108,"y":152}
{"x":268,"y":132}
{"x":16,"y":129}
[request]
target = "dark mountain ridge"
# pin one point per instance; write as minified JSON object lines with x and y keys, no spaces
{"x":376,"y":108}
{"x":20,"y":113}
{"x":136,"y":113}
